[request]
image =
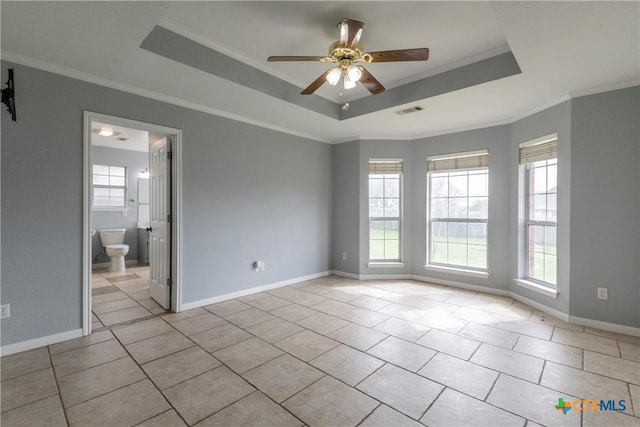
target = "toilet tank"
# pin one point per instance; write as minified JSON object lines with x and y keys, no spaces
{"x":112,"y":236}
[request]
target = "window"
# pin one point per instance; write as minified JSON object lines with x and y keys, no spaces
{"x":109,"y":186}
{"x":539,"y":158}
{"x":458,"y":186}
{"x":385,"y":210}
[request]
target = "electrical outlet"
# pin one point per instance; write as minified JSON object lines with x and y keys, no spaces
{"x":4,"y":311}
{"x":603,"y":293}
{"x":344,"y":256}
{"x":259,"y":266}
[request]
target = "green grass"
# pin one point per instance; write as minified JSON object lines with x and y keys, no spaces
{"x":455,"y":252}
{"x":546,"y":271}
{"x":384,"y":244}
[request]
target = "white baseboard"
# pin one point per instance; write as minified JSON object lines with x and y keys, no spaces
{"x":245,"y":292}
{"x":550,"y":311}
{"x":39,"y":342}
{"x":400,"y":276}
{"x":385,"y":276}
{"x":606,"y":326}
{"x":345,"y":274}
{"x":461,"y":285}
{"x":421,"y":279}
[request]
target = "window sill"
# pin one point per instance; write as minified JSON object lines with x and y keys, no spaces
{"x":460,"y":271}
{"x":385,"y":264}
{"x":109,"y":209}
{"x":535,"y":287}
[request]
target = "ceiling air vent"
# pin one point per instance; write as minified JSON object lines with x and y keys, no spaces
{"x":409,"y":110}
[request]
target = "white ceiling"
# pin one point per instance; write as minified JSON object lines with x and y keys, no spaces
{"x":123,"y":138}
{"x":562,"y":48}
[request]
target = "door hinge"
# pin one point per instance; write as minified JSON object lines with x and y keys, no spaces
{"x":169,"y":155}
{"x":169,"y":218}
{"x":169,"y":282}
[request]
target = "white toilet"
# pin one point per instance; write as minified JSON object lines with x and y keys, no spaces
{"x":112,"y":240}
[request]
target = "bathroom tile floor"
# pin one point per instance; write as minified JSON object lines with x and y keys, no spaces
{"x":331,"y":352}
{"x":120,"y":297}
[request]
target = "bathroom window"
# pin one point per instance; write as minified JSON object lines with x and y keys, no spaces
{"x":109,"y":186}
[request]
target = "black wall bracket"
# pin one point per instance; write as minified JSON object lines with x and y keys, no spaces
{"x":8,"y":96}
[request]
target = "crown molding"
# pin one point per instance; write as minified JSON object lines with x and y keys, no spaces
{"x":539,"y":108}
{"x":601,"y":89}
{"x":90,"y":78}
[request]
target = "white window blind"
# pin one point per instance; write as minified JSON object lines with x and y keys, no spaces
{"x":545,"y":148}
{"x":385,"y":166}
{"x":458,"y":161}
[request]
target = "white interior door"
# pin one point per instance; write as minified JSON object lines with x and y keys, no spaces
{"x":160,"y":221}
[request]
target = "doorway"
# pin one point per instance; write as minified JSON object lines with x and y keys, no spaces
{"x":132,"y":178}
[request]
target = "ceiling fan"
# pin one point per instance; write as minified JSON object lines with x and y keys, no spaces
{"x":346,"y":53}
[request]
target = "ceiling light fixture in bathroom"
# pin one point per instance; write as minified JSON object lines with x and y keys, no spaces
{"x":105,"y":131}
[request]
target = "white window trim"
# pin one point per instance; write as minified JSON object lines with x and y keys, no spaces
{"x":110,"y":209}
{"x":548,"y":290}
{"x":124,"y":209}
{"x":471,"y":272}
{"x":458,"y":270}
{"x":391,"y":263}
{"x":536,"y":287}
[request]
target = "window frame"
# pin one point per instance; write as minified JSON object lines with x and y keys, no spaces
{"x":388,"y":261}
{"x":532,"y":151}
{"x":462,"y":269}
{"x":94,"y":186}
{"x":529,"y":222}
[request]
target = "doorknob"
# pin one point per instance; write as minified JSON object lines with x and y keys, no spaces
{"x":149,"y":229}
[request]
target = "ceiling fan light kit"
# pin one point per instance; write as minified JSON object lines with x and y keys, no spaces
{"x":334,"y":76}
{"x":348,"y":51}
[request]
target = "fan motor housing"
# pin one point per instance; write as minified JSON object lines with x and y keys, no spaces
{"x":345,"y":56}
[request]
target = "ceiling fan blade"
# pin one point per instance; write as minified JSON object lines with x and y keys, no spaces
{"x":294,"y":58}
{"x":316,"y":84}
{"x":421,"y":54}
{"x":370,"y":82}
{"x":350,"y":32}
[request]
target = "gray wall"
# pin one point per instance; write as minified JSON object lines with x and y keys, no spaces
{"x":598,"y":206}
{"x":249,"y":193}
{"x":252,"y":194}
{"x":496,"y":140}
{"x":135,"y":162}
{"x":605,"y":206}
{"x":555,"y":119}
{"x":346,"y":207}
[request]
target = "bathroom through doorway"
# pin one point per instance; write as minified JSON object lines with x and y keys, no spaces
{"x":132,"y":221}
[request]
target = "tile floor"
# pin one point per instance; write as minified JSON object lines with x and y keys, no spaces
{"x":330,"y":352}
{"x":121,"y":297}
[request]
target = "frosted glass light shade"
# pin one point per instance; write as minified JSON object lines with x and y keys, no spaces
{"x":348,"y":83}
{"x":354,"y":73}
{"x":334,"y":76}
